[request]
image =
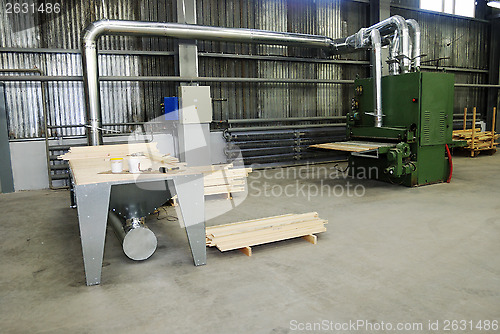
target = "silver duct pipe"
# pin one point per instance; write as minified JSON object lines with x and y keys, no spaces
{"x":183,"y":31}
{"x":415,"y":42}
{"x":393,"y":52}
{"x":138,"y":241}
{"x":360,"y":40}
{"x":396,"y":24}
{"x":377,"y":75}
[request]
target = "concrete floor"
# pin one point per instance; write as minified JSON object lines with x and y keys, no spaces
{"x":394,"y":255}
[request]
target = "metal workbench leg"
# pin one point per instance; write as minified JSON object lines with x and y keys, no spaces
{"x":191,"y":199}
{"x":92,"y":202}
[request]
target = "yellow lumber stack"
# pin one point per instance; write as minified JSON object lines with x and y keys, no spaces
{"x":482,"y":140}
{"x":243,"y":235}
{"x":477,"y":140}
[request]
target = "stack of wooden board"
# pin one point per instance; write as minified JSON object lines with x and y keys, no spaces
{"x":243,"y":235}
{"x":227,"y":180}
{"x":223,"y":179}
{"x":477,"y":140}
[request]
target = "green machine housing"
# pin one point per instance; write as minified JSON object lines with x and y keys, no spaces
{"x":417,"y":124}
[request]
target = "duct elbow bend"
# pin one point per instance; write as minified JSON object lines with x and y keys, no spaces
{"x":93,"y":31}
{"x":404,"y":44}
{"x":414,"y":28}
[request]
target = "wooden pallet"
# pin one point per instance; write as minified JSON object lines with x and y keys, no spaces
{"x":477,"y":141}
{"x":243,"y":235}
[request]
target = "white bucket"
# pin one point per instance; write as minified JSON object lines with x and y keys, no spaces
{"x":134,"y":165}
{"x":116,"y":165}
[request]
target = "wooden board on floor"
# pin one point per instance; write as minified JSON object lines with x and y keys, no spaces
{"x":243,"y":235}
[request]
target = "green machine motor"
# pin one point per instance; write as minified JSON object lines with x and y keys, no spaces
{"x":417,"y":124}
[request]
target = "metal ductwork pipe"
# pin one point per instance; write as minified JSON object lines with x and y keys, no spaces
{"x":377,"y":75}
{"x":183,"y":31}
{"x":396,"y":25}
{"x":138,"y":241}
{"x":393,"y":52}
{"x":360,"y":40}
{"x":415,"y":42}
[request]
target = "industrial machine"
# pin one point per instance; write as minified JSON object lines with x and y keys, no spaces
{"x":410,"y":146}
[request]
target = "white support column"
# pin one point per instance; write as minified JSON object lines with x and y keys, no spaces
{"x":379,"y":11}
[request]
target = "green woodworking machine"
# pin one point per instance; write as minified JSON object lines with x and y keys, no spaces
{"x":409,"y":145}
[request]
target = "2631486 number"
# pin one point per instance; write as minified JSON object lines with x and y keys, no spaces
{"x":469,"y":325}
{"x":32,"y":8}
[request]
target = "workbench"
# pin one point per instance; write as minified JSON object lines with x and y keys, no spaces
{"x":93,"y":186}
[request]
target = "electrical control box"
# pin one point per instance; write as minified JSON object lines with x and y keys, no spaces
{"x":195,"y":105}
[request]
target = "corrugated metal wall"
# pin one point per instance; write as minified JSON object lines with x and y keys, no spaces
{"x":139,"y":101}
{"x":270,"y":100}
{"x":121,"y":101}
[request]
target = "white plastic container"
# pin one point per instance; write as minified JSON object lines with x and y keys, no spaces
{"x":134,"y":165}
{"x":116,"y":165}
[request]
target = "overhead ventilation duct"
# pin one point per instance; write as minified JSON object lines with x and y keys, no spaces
{"x":395,"y":26}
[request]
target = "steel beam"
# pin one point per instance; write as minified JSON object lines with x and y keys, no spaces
{"x":175,"y":79}
{"x":237,"y":56}
{"x":6,"y":178}
{"x":191,"y":199}
{"x":92,"y":202}
{"x":381,"y":10}
{"x":494,"y":69}
{"x":207,"y":79}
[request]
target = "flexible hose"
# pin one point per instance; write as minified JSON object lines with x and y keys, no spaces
{"x":450,"y":162}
